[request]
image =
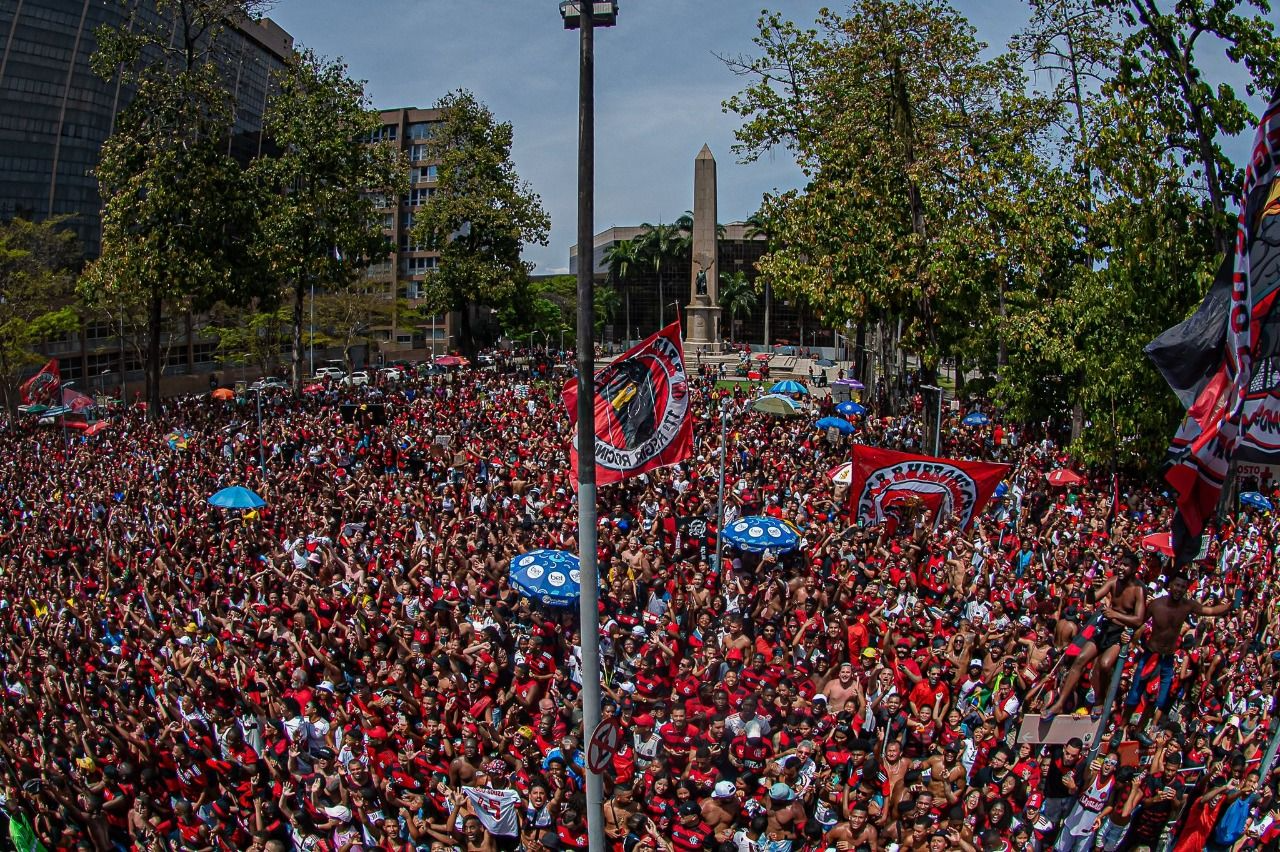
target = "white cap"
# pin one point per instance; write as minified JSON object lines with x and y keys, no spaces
{"x":339,"y":812}
{"x":724,"y":790}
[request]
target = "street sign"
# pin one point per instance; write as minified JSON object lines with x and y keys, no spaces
{"x":604,"y":745}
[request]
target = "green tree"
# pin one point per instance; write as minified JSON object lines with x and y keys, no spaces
{"x":177,"y":215}
{"x":319,"y":226}
{"x":480,"y":216}
{"x":622,"y":259}
{"x":346,"y":318}
{"x":662,"y":247}
{"x":737,"y":295}
{"x":37,"y":274}
{"x":252,"y":336}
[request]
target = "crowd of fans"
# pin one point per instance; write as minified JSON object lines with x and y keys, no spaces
{"x":348,"y":668}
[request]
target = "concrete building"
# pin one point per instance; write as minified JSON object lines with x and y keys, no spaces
{"x":402,"y":274}
{"x":738,"y":249}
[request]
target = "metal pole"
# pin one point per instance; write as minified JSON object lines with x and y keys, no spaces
{"x":724,"y":455}
{"x":262,"y":452}
{"x":587,"y":603}
{"x":1112,"y":689}
{"x":1269,"y":757}
{"x":312,"y":342}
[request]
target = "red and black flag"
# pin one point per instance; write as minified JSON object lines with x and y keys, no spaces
{"x":43,"y":387}
{"x":642,"y":410}
{"x":1224,"y":361}
{"x":884,"y":481}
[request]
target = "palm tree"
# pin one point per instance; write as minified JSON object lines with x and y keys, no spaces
{"x":622,"y":258}
{"x":685,"y":223}
{"x":737,"y":294}
{"x":661,"y":247}
{"x":758,"y":226}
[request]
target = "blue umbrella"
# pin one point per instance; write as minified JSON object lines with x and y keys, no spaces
{"x":976,"y":418}
{"x":236,"y":497}
{"x":776,"y":403}
{"x":845,"y":427}
{"x":550,"y":577}
{"x":788,"y":386}
{"x":849,"y":408}
{"x":1256,"y":500}
{"x":756,"y":534}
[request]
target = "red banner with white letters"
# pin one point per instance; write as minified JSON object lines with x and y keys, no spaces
{"x":886,"y":480}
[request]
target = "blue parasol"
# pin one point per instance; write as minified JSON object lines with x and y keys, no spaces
{"x":1255,"y":500}
{"x":756,"y":534}
{"x":845,"y":427}
{"x":548,"y":576}
{"x":789,"y":386}
{"x":236,"y":497}
{"x":849,"y":408}
{"x":976,"y":418}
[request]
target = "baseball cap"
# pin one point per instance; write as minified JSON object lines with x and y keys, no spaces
{"x":723,"y":790}
{"x":868,"y":652}
{"x":643,"y":720}
{"x":781,"y":792}
{"x":689,"y":809}
{"x":339,"y":812}
{"x":1035,"y":800}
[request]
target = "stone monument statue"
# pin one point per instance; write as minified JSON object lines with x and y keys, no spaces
{"x":702,"y":316}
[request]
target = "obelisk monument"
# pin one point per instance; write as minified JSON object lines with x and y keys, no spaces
{"x":702,"y":316}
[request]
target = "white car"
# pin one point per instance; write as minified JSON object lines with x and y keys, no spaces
{"x":269,"y":383}
{"x":331,"y":373}
{"x":357,"y":379}
{"x":390,"y":374}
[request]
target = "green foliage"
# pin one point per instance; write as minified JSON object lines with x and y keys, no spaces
{"x":37,"y":264}
{"x":319,"y":225}
{"x":480,"y":216}
{"x":737,"y":296}
{"x":659,"y":248}
{"x":177,"y":215}
{"x":254,"y":337}
{"x":1041,"y":235}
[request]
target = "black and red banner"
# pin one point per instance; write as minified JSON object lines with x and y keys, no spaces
{"x":43,"y":387}
{"x":885,"y":480}
{"x":642,"y":410}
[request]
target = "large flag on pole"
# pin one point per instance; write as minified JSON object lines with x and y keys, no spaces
{"x":642,"y":410}
{"x":885,"y":480}
{"x":1234,"y":410}
{"x":42,"y":388}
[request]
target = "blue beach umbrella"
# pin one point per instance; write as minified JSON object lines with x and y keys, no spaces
{"x":236,"y":497}
{"x":789,"y":386}
{"x":549,"y":577}
{"x":757,"y":533}
{"x":1256,"y":500}
{"x":976,"y":418}
{"x":849,"y":408}
{"x":844,"y":426}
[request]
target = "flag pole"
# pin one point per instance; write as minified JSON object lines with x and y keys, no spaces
{"x":589,"y":616}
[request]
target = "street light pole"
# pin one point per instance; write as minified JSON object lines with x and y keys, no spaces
{"x":262,"y":452}
{"x":724,"y":454}
{"x":937,"y":419}
{"x":588,"y":613}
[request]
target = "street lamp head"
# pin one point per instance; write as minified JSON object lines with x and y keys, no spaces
{"x":604,"y":13}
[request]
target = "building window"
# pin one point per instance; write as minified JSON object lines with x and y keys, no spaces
{"x":421,"y":130}
{"x":418,"y":265}
{"x":418,"y":197}
{"x":418,"y":153}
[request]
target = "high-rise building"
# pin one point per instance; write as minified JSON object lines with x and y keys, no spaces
{"x":403,"y":272}
{"x":55,"y":113}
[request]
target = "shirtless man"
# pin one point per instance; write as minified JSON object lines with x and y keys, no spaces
{"x":1168,"y":617}
{"x":857,"y":832}
{"x":786,"y":816}
{"x":843,"y":688}
{"x":1125,"y":611}
{"x":946,"y":774}
{"x":465,"y":766}
{"x":617,"y":811}
{"x":723,"y":808}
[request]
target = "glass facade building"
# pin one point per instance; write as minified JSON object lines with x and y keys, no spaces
{"x":55,"y":113}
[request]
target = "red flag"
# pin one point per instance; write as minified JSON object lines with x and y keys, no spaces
{"x":883,"y":479}
{"x":642,"y":410}
{"x":42,"y":388}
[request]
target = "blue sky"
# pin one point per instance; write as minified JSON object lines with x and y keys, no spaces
{"x":659,"y":88}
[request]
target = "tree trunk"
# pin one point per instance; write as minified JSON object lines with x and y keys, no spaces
{"x":154,"y":365}
{"x":768,"y":307}
{"x":859,"y":352}
{"x":662,"y":305}
{"x":296,"y":374}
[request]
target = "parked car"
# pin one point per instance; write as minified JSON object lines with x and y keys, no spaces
{"x":357,"y":379}
{"x":390,"y":374}
{"x":269,"y":383}
{"x":332,"y":374}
